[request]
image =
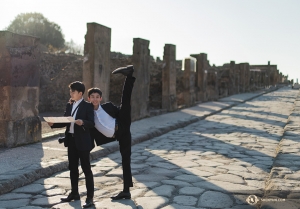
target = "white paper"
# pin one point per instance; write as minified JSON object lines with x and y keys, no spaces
{"x":59,"y":119}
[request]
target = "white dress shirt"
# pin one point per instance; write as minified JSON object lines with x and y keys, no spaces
{"x":104,"y":123}
{"x":75,"y":104}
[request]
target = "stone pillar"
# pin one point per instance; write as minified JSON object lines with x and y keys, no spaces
{"x":96,"y":62}
{"x":201,"y":76}
{"x":247,"y":77}
{"x":237,"y":78}
{"x":19,"y":89}
{"x":280,"y":78}
{"x":232,"y":88}
{"x":140,"y":94}
{"x":169,"y":101}
{"x":242,"y":77}
{"x":189,"y":81}
{"x":268,"y":75}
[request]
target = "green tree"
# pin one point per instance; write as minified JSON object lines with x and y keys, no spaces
{"x":36,"y":24}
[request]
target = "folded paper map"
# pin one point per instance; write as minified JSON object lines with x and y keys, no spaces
{"x":59,"y":119}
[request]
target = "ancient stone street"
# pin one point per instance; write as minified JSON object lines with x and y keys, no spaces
{"x":216,"y":162}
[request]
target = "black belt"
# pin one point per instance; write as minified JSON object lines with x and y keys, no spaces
{"x":71,"y":135}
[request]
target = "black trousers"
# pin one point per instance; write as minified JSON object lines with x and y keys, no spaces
{"x":123,"y":134}
{"x":74,"y":155}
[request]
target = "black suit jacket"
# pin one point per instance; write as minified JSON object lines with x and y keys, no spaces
{"x":83,"y":139}
{"x":113,"y":111}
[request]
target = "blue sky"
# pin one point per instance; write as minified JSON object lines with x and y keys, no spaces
{"x":253,"y":31}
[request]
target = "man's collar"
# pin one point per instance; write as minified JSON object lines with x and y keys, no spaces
{"x":78,"y":101}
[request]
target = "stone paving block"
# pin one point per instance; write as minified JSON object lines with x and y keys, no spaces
{"x":188,"y":178}
{"x":215,"y":200}
{"x":47,"y":201}
{"x":118,"y":204}
{"x":137,"y":192}
{"x":70,"y":205}
{"x":191,"y":191}
{"x":14,"y":196}
{"x":63,"y":182}
{"x":164,"y":190}
{"x":105,"y":179}
{"x":280,"y":205}
{"x":33,"y":188}
{"x":197,"y":172}
{"x":149,"y":185}
{"x":228,"y":187}
{"x":165,"y":165}
{"x":145,"y":178}
{"x":161,"y":172}
{"x":14,"y":204}
{"x":228,"y":178}
{"x":53,"y":192}
{"x":176,"y":183}
{"x":185,"y":200}
{"x":151,"y":202}
{"x":175,"y":206}
{"x":184,"y":163}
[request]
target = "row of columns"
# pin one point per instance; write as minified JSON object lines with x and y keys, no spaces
{"x":19,"y":85}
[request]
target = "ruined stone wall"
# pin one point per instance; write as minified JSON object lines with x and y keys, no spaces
{"x":19,"y":89}
{"x":57,"y":71}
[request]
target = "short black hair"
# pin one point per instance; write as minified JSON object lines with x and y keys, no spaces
{"x":94,"y":90}
{"x":77,"y":86}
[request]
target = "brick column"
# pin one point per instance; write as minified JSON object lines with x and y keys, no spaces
{"x":96,"y":62}
{"x":189,"y":81}
{"x":169,"y":101}
{"x":140,"y":94}
{"x":19,"y":89}
{"x":201,"y":76}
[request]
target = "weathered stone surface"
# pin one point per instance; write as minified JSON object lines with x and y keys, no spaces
{"x":229,"y":178}
{"x":176,"y":183}
{"x":145,"y":178}
{"x":14,"y":204}
{"x":33,"y":189}
{"x":188,"y":178}
{"x":169,"y":101}
{"x":47,"y":201}
{"x":164,"y":190}
{"x":228,"y":187}
{"x":107,"y":203}
{"x":13,"y":196}
{"x":189,"y":81}
{"x":96,"y":62}
{"x":185,"y":200}
{"x":151,"y":202}
{"x":140,"y":94}
{"x":19,"y":87}
{"x":191,"y":191}
{"x":176,"y":206}
{"x":214,"y":200}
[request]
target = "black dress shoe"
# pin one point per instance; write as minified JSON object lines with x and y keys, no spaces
{"x":71,"y":197}
{"x":124,"y":70}
{"x":88,"y":202}
{"x":122,"y":195}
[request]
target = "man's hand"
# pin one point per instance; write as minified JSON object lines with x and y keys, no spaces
{"x":71,"y":101}
{"x":79,"y":122}
{"x":50,"y":124}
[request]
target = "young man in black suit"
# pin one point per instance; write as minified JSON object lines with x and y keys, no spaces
{"x":79,"y":142}
{"x":112,"y":122}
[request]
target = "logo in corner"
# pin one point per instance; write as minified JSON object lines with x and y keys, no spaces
{"x":252,"y":199}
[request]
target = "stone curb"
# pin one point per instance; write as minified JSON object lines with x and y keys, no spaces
{"x":20,"y":180}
